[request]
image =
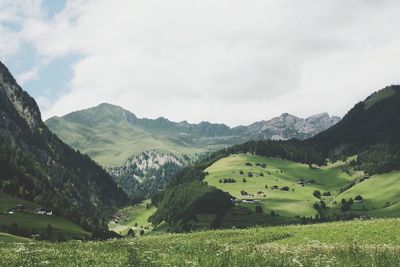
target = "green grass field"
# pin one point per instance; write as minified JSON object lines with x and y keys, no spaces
{"x":381,"y":195}
{"x":133,"y":217}
{"x":355,"y":243}
{"x":297,"y":201}
{"x":380,"y":192}
{"x":8,"y":202}
{"x":28,"y":221}
{"x":40,"y":223}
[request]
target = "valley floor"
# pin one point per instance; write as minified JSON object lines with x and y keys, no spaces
{"x":354,"y":243}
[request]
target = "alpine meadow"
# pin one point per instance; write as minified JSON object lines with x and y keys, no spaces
{"x":147,"y":133}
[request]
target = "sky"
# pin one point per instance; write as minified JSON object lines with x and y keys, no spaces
{"x":226,"y":61}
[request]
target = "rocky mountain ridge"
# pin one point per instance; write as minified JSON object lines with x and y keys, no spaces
{"x":98,"y":131}
{"x":288,"y":126}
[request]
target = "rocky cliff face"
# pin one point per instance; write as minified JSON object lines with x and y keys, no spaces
{"x":288,"y":126}
{"x":147,"y":173}
{"x":36,"y":165}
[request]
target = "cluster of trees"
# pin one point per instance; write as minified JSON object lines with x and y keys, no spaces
{"x":187,"y":195}
{"x":381,"y":158}
{"x":372,"y":132}
{"x":346,"y":205}
{"x":182,"y":202}
{"x":38,"y":234}
{"x":294,"y":150}
{"x":227,"y":181}
{"x":262,"y":165}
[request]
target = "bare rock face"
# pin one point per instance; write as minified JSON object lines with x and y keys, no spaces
{"x":147,"y":173}
{"x":288,"y":126}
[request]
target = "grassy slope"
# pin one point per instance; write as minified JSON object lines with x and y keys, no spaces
{"x":130,"y":216}
{"x":377,"y":191}
{"x":355,"y":243}
{"x":4,"y":237}
{"x":112,"y":144}
{"x":7,"y":202}
{"x":281,"y":173}
{"x":38,"y":222}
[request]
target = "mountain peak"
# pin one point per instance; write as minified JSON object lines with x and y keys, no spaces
{"x":101,"y":113}
{"x":12,"y":94}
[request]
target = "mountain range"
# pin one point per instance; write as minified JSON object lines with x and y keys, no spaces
{"x":36,"y":165}
{"x":110,"y":134}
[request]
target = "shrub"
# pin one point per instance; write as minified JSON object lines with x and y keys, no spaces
{"x":131,"y":233}
{"x":359,"y":198}
{"x":244,"y":180}
{"x":259,"y":209}
{"x":346,"y":205}
{"x":317,"y":194}
{"x":250,"y":174}
{"x":248,"y":164}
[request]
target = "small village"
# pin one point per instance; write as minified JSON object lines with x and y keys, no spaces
{"x":22,"y":209}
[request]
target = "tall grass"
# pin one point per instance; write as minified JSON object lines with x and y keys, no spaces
{"x":360,"y":243}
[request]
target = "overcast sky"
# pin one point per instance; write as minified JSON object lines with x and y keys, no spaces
{"x":229,"y":61}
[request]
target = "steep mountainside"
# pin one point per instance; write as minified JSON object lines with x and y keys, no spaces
{"x":147,"y":173}
{"x":110,"y":134}
{"x":371,"y":129}
{"x":37,"y":166}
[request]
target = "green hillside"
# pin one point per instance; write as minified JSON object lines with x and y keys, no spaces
{"x":13,"y":238}
{"x":297,"y":201}
{"x":111,"y":143}
{"x":7,"y":202}
{"x":380,"y":192}
{"x":351,"y":244}
{"x":133,"y":217}
{"x":29,"y":223}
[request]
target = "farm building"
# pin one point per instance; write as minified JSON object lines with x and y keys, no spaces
{"x":250,"y":201}
{"x":43,"y":211}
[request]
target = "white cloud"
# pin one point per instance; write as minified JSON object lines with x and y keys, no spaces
{"x":43,"y":103}
{"x":232,"y":61}
{"x":12,"y":15}
{"x":29,"y":75}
